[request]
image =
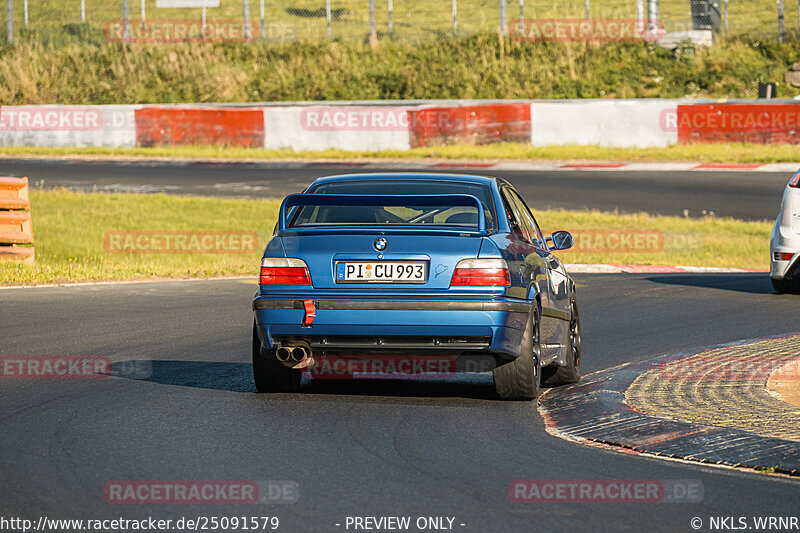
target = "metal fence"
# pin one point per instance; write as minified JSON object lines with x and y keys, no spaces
{"x":51,"y":21}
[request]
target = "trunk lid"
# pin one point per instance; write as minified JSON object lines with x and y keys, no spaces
{"x":438,"y":251}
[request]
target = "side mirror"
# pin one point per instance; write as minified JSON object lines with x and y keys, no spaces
{"x":562,"y":240}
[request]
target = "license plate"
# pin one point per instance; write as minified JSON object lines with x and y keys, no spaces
{"x":381,"y":272}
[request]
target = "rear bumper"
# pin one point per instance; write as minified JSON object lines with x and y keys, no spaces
{"x":413,"y":326}
{"x":784,"y":240}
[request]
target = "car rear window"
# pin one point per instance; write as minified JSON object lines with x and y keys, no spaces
{"x":442,"y":215}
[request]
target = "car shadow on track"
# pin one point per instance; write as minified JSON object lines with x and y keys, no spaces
{"x":238,"y":377}
{"x":755,"y":283}
{"x":466,"y":386}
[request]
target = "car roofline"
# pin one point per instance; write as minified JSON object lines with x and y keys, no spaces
{"x":422,"y":176}
{"x":494,"y":184}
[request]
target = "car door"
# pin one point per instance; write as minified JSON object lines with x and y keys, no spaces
{"x":559,"y":290}
{"x":531,"y":263}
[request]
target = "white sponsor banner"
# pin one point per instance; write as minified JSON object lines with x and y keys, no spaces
{"x":112,"y":126}
{"x":355,"y":128}
{"x":611,"y":123}
{"x":187,"y":3}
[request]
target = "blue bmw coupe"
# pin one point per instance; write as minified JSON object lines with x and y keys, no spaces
{"x":421,"y":267}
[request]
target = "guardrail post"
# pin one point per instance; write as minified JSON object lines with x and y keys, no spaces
{"x":640,"y":16}
{"x":391,"y":8}
{"x":455,"y":15}
{"x":126,"y":20}
{"x":10,"y":20}
{"x":652,"y":15}
{"x":726,"y":16}
{"x":83,"y":11}
{"x":262,"y":31}
{"x":328,"y":16}
{"x":780,"y":21}
{"x":373,"y":30}
{"x":503,"y":17}
{"x":248,"y":31}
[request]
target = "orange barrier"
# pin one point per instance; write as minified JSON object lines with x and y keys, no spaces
{"x":741,"y":123}
{"x":26,"y":254}
{"x":172,"y":126}
{"x":469,"y":124}
{"x":14,"y":193}
{"x":16,"y":226}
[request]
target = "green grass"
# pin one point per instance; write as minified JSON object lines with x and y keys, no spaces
{"x":416,"y":20}
{"x":710,"y":241}
{"x":703,"y":153}
{"x":476,"y":67}
{"x":69,"y":229}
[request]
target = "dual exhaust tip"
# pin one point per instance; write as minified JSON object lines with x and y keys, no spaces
{"x":295,"y":354}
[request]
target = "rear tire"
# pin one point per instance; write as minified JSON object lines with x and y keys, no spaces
{"x":519,"y":379}
{"x":562,"y":375}
{"x":269,"y":374}
{"x":784,"y":285}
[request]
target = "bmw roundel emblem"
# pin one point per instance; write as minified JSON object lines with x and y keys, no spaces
{"x":380,"y":244}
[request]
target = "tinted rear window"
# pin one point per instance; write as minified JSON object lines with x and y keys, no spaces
{"x":444,"y":215}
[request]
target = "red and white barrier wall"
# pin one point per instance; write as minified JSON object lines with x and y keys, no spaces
{"x":612,"y":123}
{"x":321,"y":127}
{"x":369,"y":126}
{"x":111,"y":126}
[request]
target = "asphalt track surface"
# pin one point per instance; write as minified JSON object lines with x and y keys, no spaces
{"x":745,"y":195}
{"x":371,"y":447}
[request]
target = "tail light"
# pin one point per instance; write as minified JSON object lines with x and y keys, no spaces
{"x":481,"y":273}
{"x":795,"y":182}
{"x":783,"y":256}
{"x":284,"y":271}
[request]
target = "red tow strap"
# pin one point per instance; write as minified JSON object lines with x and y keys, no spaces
{"x":311,"y":313}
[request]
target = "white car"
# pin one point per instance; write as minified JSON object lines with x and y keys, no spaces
{"x":784,"y":245}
